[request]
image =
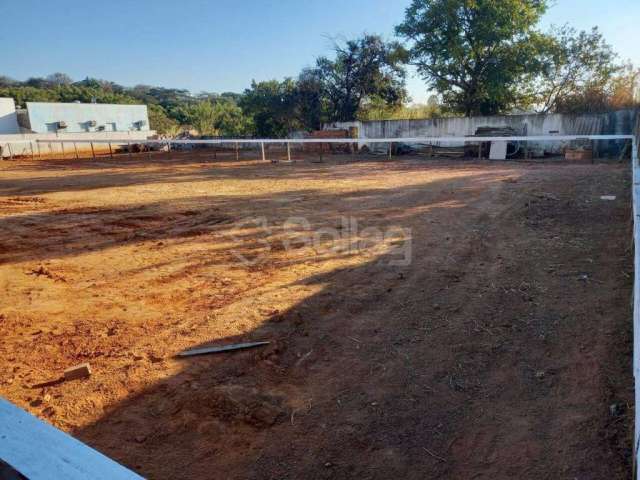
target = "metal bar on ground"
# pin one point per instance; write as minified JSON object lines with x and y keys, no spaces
{"x":224,"y":348}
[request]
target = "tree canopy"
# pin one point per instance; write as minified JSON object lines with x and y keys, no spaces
{"x":364,"y":70}
{"x":474,"y":53}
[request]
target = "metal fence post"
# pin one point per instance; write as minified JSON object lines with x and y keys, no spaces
{"x":264,"y":158}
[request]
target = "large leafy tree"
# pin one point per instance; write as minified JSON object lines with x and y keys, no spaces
{"x":230,"y":120}
{"x":366,"y":69}
{"x":309,"y":100}
{"x":475,"y":53}
{"x":271,"y":104}
{"x":576,"y":66}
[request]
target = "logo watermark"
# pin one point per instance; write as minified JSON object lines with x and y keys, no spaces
{"x":255,"y":240}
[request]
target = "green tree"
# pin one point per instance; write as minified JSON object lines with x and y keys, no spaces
{"x":202,"y":117}
{"x":364,"y":70}
{"x":230,"y":121}
{"x":309,"y":99}
{"x":160,"y":121}
{"x":271,"y":105}
{"x":475,"y":53}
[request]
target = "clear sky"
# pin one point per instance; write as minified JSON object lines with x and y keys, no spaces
{"x":221,"y":45}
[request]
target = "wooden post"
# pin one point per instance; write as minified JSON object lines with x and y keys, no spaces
{"x":237,"y":152}
{"x":264,"y":158}
{"x":288,"y":152}
{"x":129,"y":149}
{"x":110,"y":151}
{"x":75,"y":149}
{"x":93,"y":152}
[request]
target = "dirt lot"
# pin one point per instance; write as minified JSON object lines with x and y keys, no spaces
{"x":503,"y":349}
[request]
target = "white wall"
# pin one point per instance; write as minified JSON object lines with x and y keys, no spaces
{"x":21,"y":144}
{"x":8,"y":118}
{"x":43,"y":117}
{"x":620,"y":122}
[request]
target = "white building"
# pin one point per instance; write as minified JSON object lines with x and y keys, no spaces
{"x":44,"y":117}
{"x":8,"y":117}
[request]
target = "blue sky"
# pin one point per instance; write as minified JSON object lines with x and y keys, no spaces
{"x":221,"y":45}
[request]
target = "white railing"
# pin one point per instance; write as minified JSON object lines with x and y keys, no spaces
{"x":635,"y":198}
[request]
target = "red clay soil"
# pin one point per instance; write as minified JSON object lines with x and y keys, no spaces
{"x":502,"y":350}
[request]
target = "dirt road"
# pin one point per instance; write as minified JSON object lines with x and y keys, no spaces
{"x":501,"y":349}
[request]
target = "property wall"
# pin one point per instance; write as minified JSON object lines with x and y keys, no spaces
{"x":43,"y":117}
{"x":620,"y":122}
{"x":22,"y":144}
{"x":8,"y":118}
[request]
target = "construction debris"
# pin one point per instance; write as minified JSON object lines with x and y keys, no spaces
{"x":78,"y":371}
{"x":225,"y":348}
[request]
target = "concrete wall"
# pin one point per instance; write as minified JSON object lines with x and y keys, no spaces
{"x":620,"y":122}
{"x":43,"y":117}
{"x":21,"y":144}
{"x":8,"y":118}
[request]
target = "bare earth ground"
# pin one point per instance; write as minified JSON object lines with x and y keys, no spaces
{"x":496,"y":353}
